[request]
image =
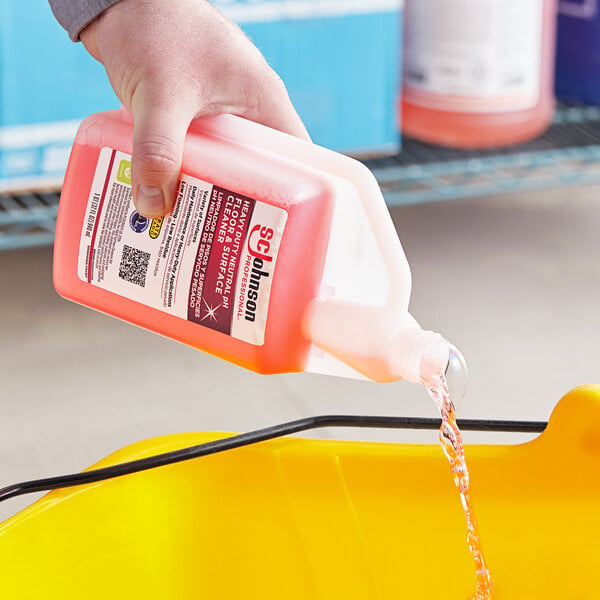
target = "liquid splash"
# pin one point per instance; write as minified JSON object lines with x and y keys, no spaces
{"x":453,"y":447}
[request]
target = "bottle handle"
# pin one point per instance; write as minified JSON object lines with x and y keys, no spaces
{"x":242,"y":131}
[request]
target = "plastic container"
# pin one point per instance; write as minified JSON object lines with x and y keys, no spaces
{"x":578,"y":52}
{"x":274,"y":244}
{"x":299,"y":518}
{"x":478,"y":73}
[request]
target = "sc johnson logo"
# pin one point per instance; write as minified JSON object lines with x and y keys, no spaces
{"x":259,"y":247}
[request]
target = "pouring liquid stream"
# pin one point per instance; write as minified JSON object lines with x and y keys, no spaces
{"x":453,"y":447}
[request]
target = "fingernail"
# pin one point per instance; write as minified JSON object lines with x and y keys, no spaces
{"x":150,"y":201}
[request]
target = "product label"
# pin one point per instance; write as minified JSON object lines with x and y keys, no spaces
{"x":211,"y":260}
{"x":473,"y":55}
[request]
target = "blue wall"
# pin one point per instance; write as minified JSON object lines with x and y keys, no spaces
{"x":342,"y":74}
{"x":44,"y":76}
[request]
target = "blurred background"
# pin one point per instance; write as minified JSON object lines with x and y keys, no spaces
{"x":492,"y":185}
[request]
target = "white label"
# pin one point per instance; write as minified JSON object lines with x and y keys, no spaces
{"x":211,"y":260}
{"x":473,"y":55}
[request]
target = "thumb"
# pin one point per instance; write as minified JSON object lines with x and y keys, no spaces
{"x":158,"y":137}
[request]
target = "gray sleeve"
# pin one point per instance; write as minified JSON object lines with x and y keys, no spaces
{"x":74,"y":15}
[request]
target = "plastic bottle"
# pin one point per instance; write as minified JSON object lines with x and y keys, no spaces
{"x":578,"y":51}
{"x":279,"y":255}
{"x":478,"y":73}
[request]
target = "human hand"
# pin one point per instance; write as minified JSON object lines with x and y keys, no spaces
{"x":172,"y":62}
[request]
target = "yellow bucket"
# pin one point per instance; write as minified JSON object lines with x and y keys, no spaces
{"x":297,"y":519}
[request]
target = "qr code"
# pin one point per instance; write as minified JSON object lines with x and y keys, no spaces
{"x":134,"y":265}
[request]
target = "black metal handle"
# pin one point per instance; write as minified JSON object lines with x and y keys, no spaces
{"x":253,"y":437}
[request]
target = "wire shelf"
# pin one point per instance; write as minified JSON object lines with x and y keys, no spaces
{"x":27,"y":220}
{"x":567,"y":154}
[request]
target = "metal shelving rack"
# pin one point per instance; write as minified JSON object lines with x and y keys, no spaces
{"x":567,"y":154}
{"x":27,"y":220}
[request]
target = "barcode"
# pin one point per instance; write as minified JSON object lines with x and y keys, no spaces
{"x":134,"y":265}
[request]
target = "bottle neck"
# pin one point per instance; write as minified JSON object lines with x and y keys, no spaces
{"x":381,"y":344}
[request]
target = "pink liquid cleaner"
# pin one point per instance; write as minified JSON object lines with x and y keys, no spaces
{"x":478,"y":73}
{"x":279,"y":255}
{"x":453,"y":447}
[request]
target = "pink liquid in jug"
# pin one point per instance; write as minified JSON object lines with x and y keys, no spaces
{"x":207,"y":273}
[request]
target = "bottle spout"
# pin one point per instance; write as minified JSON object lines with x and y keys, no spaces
{"x":419,"y":356}
{"x":457,"y":375}
{"x":444,"y":359}
{"x":378,"y":342}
